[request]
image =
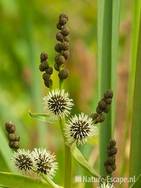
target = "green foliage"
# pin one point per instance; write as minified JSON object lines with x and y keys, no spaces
{"x":12,"y":181}
{"x":108,"y":26}
{"x":135,"y":154}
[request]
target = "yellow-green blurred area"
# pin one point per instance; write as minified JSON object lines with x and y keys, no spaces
{"x":26,"y":29}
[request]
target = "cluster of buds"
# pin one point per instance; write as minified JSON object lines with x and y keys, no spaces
{"x":12,"y":137}
{"x":102,"y":107}
{"x":48,"y":70}
{"x":62,"y":47}
{"x":110,"y":165}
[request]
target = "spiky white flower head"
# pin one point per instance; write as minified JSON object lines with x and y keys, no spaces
{"x":58,"y":102}
{"x":106,"y":185}
{"x":23,"y":160}
{"x":79,"y":128}
{"x":45,"y":162}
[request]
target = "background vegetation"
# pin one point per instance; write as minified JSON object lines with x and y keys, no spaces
{"x":28,"y":28}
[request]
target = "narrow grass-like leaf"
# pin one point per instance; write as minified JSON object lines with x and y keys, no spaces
{"x":5,"y":151}
{"x":78,"y":156}
{"x":131,"y":82}
{"x":108,"y":24}
{"x":26,"y":18}
{"x":135,"y":152}
{"x":43,"y":117}
{"x":16,"y":181}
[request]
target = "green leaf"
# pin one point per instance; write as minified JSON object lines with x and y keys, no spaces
{"x":135,"y":153}
{"x":108,"y":26}
{"x":78,"y":156}
{"x":17,"y":181}
{"x":43,"y":117}
{"x":5,"y":151}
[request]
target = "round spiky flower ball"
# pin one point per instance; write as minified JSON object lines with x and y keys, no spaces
{"x":79,"y":128}
{"x":45,"y":162}
{"x":106,"y":185}
{"x":58,"y":102}
{"x":23,"y":160}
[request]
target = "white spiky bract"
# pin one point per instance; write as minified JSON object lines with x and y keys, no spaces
{"x":23,"y":161}
{"x":58,"y":102}
{"x":106,"y":185}
{"x":44,"y":162}
{"x":79,"y":128}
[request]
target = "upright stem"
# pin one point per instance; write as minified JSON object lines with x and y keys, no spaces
{"x":67,"y":183}
{"x":68,"y":159}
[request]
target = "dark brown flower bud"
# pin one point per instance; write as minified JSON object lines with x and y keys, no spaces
{"x":14,"y":144}
{"x":43,"y":66}
{"x":56,"y":66}
{"x":93,"y":116}
{"x":101,"y":117}
{"x":49,"y":70}
{"x":59,"y":59}
{"x":109,"y":169}
{"x":12,"y":136}
{"x":112,"y":151}
{"x":108,"y":100}
{"x":48,"y":83}
{"x":106,"y":110}
{"x":65,"y":46}
{"x":59,"y":26}
{"x":43,"y":57}
{"x":98,"y":110}
{"x":62,"y":21}
{"x":65,"y":31}
{"x":110,"y":161}
{"x":102,"y":105}
{"x":63,"y":16}
{"x":46,"y":76}
{"x":113,"y":167}
{"x":10,"y":127}
{"x":112,"y":143}
{"x":58,"y":47}
{"x":66,"y":54}
{"x":66,"y":38}
{"x":108,"y":94}
{"x":59,"y":36}
{"x":63,"y":74}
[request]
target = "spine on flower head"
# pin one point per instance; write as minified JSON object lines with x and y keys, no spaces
{"x":62,"y":47}
{"x":102,"y":107}
{"x":46,"y":69}
{"x":12,"y":137}
{"x":110,"y":163}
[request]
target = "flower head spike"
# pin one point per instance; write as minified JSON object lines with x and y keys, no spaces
{"x":45,"y":162}
{"x":79,"y":128}
{"x":23,"y":160}
{"x":58,"y":102}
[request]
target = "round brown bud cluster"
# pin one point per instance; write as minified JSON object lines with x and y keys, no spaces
{"x":12,"y":137}
{"x":110,"y":165}
{"x":102,"y":107}
{"x":48,"y":70}
{"x":62,"y":47}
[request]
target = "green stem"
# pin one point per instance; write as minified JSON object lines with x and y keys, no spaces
{"x":50,"y":182}
{"x":68,"y":158}
{"x":67,"y":175}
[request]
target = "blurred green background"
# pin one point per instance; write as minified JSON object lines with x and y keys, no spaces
{"x":26,"y":29}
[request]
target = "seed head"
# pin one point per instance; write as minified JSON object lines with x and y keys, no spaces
{"x":23,"y":160}
{"x":58,"y":102}
{"x":79,"y":129}
{"x":45,"y":162}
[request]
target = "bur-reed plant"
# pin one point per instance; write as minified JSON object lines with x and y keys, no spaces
{"x":75,"y":129}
